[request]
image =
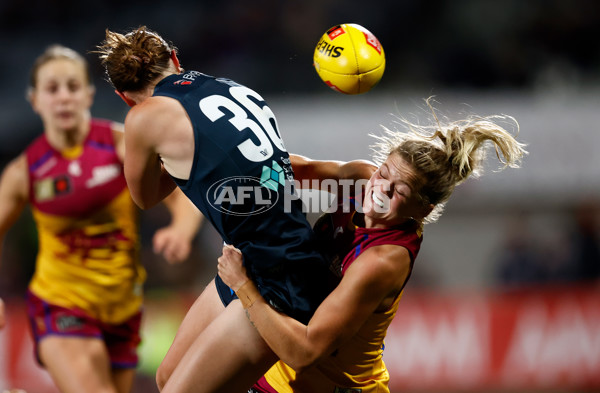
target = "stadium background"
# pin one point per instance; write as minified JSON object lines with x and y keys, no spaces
{"x":504,"y":296}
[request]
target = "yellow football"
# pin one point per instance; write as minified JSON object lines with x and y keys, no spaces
{"x":349,"y":59}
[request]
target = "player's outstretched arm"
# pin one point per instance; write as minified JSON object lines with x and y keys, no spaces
{"x":309,"y":169}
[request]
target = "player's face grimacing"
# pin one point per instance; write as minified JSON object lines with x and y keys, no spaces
{"x":391,"y":195}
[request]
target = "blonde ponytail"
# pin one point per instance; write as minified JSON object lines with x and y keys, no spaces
{"x":446,"y":155}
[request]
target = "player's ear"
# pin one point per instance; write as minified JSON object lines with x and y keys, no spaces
{"x":175,"y":60}
{"x":127,"y":100}
{"x":32,"y":100}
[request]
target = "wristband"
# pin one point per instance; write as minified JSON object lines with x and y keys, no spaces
{"x":248,"y":294}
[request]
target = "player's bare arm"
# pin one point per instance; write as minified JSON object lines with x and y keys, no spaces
{"x":308,"y":169}
{"x":371,"y":283}
{"x":119,"y":138}
{"x":174,"y":241}
{"x":14,"y":190}
{"x":145,"y":127}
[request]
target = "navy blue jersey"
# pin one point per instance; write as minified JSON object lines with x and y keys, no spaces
{"x":240,"y":181}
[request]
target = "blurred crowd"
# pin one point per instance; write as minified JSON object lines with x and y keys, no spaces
{"x":269,"y":43}
{"x":560,"y":254}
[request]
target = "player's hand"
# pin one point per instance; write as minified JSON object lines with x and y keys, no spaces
{"x":2,"y":314}
{"x":231,"y":268}
{"x":171,"y":244}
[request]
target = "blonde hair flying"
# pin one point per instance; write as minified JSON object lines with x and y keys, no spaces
{"x":445,"y":155}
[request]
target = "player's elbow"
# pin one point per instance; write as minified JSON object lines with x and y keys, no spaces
{"x":301,"y":167}
{"x":142,"y":205}
{"x":314,"y":349}
{"x":304,"y":359}
{"x":143,"y":202}
{"x":145,"y":205}
{"x":301,"y":366}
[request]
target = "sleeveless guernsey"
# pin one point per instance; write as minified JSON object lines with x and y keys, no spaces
{"x":357,"y":366}
{"x":240,"y":180}
{"x":87,"y":228}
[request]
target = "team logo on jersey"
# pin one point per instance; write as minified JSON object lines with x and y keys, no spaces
{"x":74,"y":168}
{"x":243,"y":195}
{"x":182,"y":82}
{"x":103,"y":174}
{"x":50,"y":188}
{"x":272,"y":176}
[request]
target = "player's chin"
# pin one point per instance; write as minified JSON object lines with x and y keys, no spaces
{"x":370,"y":210}
{"x":66,"y":122}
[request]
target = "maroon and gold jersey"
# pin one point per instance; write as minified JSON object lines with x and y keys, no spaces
{"x":87,"y":227}
{"x":341,"y":241}
{"x":357,"y":366}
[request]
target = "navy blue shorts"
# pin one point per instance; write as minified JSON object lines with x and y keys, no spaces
{"x":295,"y":288}
{"x":225,"y":293}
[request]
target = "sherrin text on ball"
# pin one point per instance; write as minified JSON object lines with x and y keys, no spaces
{"x":349,"y":59}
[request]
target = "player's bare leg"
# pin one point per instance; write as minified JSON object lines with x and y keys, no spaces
{"x":204,"y":310}
{"x":229,"y":356}
{"x":123,"y":379}
{"x":78,"y":365}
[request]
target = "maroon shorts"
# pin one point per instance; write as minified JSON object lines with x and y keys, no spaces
{"x":262,"y":386}
{"x":121,"y":340}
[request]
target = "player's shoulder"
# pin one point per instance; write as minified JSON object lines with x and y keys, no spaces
{"x":39,"y":142}
{"x":385,"y":258}
{"x":100,"y":123}
{"x":385,"y":252}
{"x":105,"y":131}
{"x":152,"y":112}
{"x":15,"y":174}
{"x":383,"y":268}
{"x":19,"y":163}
